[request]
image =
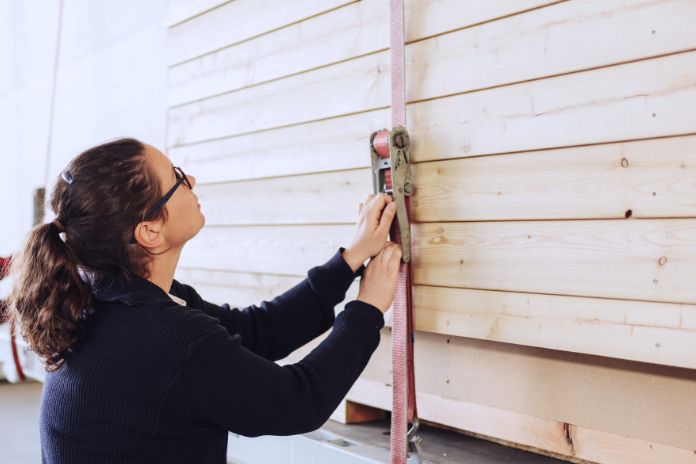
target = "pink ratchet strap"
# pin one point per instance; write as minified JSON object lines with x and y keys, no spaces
{"x":405,"y":444}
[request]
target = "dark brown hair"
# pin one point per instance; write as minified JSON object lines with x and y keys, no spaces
{"x":99,"y":199}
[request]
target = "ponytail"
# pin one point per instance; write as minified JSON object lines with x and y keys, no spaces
{"x":49,"y":297}
{"x":100,"y":197}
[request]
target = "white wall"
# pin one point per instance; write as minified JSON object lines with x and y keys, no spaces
{"x":110,"y":82}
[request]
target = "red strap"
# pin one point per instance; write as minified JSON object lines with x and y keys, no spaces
{"x":4,"y":267}
{"x":398,"y":81}
{"x":403,"y":380}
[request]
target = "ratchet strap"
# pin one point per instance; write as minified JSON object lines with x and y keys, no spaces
{"x":392,"y":174}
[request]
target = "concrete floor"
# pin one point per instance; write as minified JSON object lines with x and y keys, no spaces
{"x":19,"y":438}
{"x":19,"y":423}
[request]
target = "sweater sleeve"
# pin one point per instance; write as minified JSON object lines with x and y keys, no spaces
{"x":224,"y":383}
{"x":273,"y":329}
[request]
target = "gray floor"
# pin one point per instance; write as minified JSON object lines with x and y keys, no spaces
{"x":19,"y":429}
{"x":19,"y":436}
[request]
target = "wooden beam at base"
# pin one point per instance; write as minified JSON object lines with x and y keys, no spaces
{"x":535,"y":434}
{"x":350,"y":412}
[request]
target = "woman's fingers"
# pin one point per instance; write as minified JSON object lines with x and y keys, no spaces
{"x":393,"y":256}
{"x":396,"y":257}
{"x":387,"y":217}
{"x":388,"y":252}
{"x":379,"y":203}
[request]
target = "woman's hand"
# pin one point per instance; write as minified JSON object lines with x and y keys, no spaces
{"x":374,"y":220}
{"x":378,"y":284}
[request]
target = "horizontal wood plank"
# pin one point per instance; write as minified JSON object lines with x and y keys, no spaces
{"x":236,"y":21}
{"x":333,"y":144}
{"x":633,"y":330}
{"x":632,"y":259}
{"x":182,"y":10}
{"x":307,"y":199}
{"x":649,"y":178}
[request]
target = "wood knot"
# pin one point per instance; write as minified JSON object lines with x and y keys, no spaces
{"x":624,"y":163}
{"x":662,"y":261}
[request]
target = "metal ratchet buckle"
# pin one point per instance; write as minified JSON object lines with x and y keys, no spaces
{"x":415,"y":453}
{"x":398,"y":166}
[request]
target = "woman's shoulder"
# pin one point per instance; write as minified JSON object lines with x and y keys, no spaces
{"x":140,"y":305}
{"x":161,"y":317}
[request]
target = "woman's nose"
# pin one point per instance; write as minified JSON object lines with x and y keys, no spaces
{"x":192,"y":179}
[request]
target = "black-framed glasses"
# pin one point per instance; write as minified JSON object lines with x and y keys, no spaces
{"x":180,"y":179}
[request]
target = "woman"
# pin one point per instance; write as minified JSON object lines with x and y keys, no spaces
{"x":140,"y":367}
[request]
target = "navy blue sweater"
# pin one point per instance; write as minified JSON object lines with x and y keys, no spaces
{"x":151,"y":381}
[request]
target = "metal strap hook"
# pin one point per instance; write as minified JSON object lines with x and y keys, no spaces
{"x":415,"y":452}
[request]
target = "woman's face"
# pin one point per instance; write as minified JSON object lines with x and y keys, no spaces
{"x":185,"y":218}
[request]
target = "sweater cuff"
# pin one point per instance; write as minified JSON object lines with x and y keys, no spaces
{"x":357,"y":273}
{"x":368,"y":311}
{"x":331,"y":280}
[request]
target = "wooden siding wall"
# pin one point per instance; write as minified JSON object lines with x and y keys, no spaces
{"x":554,"y":145}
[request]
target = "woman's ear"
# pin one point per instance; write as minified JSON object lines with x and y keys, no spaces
{"x":149,"y":234}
